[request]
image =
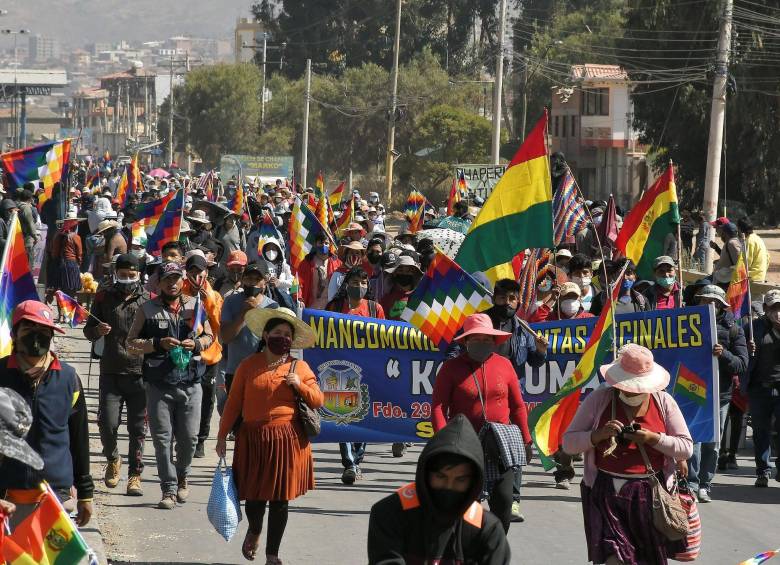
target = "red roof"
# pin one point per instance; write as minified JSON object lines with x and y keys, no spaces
{"x":592,"y":71}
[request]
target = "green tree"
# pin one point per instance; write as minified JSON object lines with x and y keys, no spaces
{"x":222,"y":109}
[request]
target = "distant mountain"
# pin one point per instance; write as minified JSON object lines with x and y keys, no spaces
{"x":76,"y":23}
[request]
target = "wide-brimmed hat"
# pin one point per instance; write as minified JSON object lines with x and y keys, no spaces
{"x":106,"y":225}
{"x":481,"y":324}
{"x":257,"y":318}
{"x":354,"y":226}
{"x":635,"y":371}
{"x":405,"y":261}
{"x":714,"y":292}
{"x":15,"y":421}
{"x":199,"y":216}
{"x":353,"y":245}
{"x":570,"y":288}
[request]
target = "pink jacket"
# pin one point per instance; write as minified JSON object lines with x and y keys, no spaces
{"x":676,"y":443}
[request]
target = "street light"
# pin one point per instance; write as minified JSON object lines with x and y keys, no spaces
{"x":15,"y":33}
{"x":527,"y":78}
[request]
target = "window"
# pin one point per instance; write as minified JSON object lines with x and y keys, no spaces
{"x":595,"y":102}
{"x":563,"y":126}
{"x":555,"y":130}
{"x":574,"y":126}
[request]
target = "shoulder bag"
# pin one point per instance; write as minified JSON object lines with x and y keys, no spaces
{"x":309,"y":417}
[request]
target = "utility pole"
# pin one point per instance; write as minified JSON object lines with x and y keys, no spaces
{"x":305,"y":142}
{"x":496,"y":146}
{"x":393,"y":103}
{"x":262,"y":91}
{"x":264,"y":62}
{"x":717,"y":118}
{"x":170,"y":116}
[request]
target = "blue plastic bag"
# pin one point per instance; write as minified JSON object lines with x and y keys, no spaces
{"x":224,"y":508}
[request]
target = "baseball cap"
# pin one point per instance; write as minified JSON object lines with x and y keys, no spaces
{"x":663,"y":260}
{"x":253,"y":268}
{"x":35,"y":311}
{"x":772,"y":297}
{"x":722,"y":221}
{"x":198,"y":262}
{"x":570,"y":288}
{"x":128,"y":261}
{"x":237,"y":257}
{"x":192,"y":254}
{"x":171,"y":268}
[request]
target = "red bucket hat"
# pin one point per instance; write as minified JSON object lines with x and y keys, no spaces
{"x":36,"y":312}
{"x":480,"y":324}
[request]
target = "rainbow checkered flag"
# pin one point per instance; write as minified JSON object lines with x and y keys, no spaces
{"x":47,"y":163}
{"x":445,"y":297}
{"x":16,"y":282}
{"x":761,"y":557}
{"x":70,"y":308}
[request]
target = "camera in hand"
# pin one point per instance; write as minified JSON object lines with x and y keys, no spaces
{"x":628,"y":429}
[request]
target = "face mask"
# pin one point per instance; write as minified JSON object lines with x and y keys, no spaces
{"x":271,"y":254}
{"x":323,"y":249}
{"x":251,"y":291}
{"x":665,"y":282}
{"x":626,"y":285}
{"x":125,"y":285}
{"x":36,"y":344}
{"x":479,"y":351}
{"x":353,"y":260}
{"x":570,"y":306}
{"x":356,"y":292}
{"x":448,"y":501}
{"x":582,"y":282}
{"x":632,"y":400}
{"x":503,"y":311}
{"x":169,"y":298}
{"x":404,"y":280}
{"x":374,"y":258}
{"x":279,"y":344}
{"x":234,"y":277}
{"x":184,"y":239}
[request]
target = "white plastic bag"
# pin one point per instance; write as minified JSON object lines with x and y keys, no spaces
{"x":224,"y":508}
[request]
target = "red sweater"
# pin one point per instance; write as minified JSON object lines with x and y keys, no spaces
{"x":454,"y":392}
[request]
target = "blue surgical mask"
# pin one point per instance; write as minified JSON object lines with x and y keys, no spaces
{"x":666,"y":282}
{"x":626,"y":285}
{"x":324,"y":249}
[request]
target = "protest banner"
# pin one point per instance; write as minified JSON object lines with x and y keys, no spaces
{"x":480,"y":179}
{"x":377,"y":376}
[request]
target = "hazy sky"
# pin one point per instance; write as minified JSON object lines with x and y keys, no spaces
{"x":78,"y":22}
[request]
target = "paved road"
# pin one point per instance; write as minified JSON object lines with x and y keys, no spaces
{"x":328,"y":525}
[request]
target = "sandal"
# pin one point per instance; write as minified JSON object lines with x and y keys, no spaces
{"x":250,"y":545}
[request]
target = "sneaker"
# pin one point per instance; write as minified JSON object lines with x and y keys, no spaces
{"x":348,"y":476}
{"x":516,"y":515}
{"x":231,"y":436}
{"x":762,"y":481}
{"x":399,"y":449}
{"x":111,"y":477}
{"x":168,"y":502}
{"x":704,"y":496}
{"x":563,"y":484}
{"x":723,"y":463}
{"x":182,"y":491}
{"x":731,"y":463}
{"x":577,"y":457}
{"x":358,"y":473}
{"x":134,"y":486}
{"x":200,"y":451}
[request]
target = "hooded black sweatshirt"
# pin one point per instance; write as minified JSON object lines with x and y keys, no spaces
{"x":421,"y":533}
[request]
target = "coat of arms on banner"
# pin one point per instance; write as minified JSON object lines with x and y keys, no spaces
{"x":346,"y":398}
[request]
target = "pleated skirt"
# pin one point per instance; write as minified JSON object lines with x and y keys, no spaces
{"x":272,"y":461}
{"x":64,"y":275}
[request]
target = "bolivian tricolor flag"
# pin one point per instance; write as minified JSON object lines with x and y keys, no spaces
{"x":46,"y":537}
{"x":337,"y":195}
{"x":645,"y":228}
{"x":319,"y":186}
{"x":737,"y":293}
{"x":690,"y":385}
{"x":550,"y":419}
{"x":517,"y":214}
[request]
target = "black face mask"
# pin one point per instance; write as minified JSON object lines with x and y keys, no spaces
{"x":36,"y":344}
{"x":448,"y":501}
{"x":169,"y":298}
{"x":502,"y":312}
{"x":252,"y":291}
{"x":356,"y":292}
{"x":404,"y":280}
{"x":374,"y":258}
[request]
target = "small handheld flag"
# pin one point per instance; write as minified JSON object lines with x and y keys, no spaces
{"x":70,"y":308}
{"x":761,"y":557}
{"x":319,"y":186}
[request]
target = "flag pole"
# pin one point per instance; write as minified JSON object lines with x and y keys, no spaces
{"x":749,"y":292}
{"x":601,"y":253}
{"x":679,"y":247}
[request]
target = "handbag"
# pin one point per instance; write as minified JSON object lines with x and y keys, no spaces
{"x":309,"y":417}
{"x":502,"y":443}
{"x":224,"y":509}
{"x":669,"y":516}
{"x":693,"y":539}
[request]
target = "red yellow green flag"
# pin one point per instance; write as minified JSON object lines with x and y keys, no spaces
{"x":737,"y":293}
{"x":337,"y":195}
{"x":648,"y":224}
{"x":319,"y":186}
{"x":46,"y":537}
{"x":517,"y":214}
{"x":346,"y":218}
{"x":549,"y":420}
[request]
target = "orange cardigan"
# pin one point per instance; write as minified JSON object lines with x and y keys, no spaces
{"x":262,"y":395}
